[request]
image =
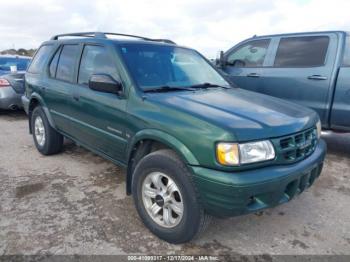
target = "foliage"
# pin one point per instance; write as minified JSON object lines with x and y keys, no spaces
{"x":20,"y":51}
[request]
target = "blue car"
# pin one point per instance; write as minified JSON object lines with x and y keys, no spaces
{"x":12,"y":69}
{"x":311,"y":69}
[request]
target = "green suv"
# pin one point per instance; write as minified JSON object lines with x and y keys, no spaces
{"x":193,"y":145}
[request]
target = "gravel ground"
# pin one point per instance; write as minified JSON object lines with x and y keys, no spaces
{"x":75,"y":203}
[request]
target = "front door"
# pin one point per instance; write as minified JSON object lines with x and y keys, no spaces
{"x":244,"y":63}
{"x":100,"y":118}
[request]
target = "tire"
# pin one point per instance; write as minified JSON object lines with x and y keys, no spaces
{"x":192,"y":220}
{"x":52,"y":140}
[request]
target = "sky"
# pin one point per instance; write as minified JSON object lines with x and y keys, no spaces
{"x":208,"y":26}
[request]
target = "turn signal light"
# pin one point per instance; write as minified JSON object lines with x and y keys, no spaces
{"x":227,"y":153}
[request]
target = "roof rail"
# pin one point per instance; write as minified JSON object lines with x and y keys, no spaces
{"x":83,"y":34}
{"x":104,"y":35}
{"x":168,"y":41}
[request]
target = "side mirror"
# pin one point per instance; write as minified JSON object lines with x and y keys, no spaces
{"x":237,"y":63}
{"x":220,"y":60}
{"x":105,"y":83}
{"x":253,"y":50}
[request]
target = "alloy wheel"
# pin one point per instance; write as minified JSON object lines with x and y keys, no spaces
{"x":39,"y":131}
{"x":162,"y":199}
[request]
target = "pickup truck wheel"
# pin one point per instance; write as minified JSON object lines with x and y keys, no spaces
{"x":47,"y":140}
{"x":166,"y":198}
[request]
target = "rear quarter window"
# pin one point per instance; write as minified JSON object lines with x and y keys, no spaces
{"x":346,"y":60}
{"x":38,"y":62}
{"x":305,"y":51}
{"x":54,"y":62}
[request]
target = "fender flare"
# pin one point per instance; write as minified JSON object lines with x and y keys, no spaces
{"x":164,"y":138}
{"x":37,"y":97}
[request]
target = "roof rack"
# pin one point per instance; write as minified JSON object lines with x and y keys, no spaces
{"x":104,"y":35}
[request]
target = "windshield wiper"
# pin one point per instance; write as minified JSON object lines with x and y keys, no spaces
{"x":168,"y":89}
{"x":209,"y":85}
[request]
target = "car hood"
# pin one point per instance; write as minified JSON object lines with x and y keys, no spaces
{"x":248,"y":115}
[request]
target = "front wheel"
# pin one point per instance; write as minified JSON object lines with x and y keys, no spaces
{"x":47,"y":140}
{"x":166,"y":198}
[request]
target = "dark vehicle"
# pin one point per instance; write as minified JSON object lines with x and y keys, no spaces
{"x":311,"y":69}
{"x":193,"y":146}
{"x":12,"y":69}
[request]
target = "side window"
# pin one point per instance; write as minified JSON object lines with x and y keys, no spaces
{"x":346,"y":61}
{"x":95,"y":60}
{"x":306,"y":51}
{"x":39,"y":60}
{"x":54,"y":62}
{"x":66,"y":63}
{"x":250,"y":54}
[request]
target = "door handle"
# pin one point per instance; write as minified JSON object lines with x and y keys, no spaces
{"x":253,"y":75}
{"x":76,"y":97}
{"x":317,"y":77}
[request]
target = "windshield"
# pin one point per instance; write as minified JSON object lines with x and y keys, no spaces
{"x":7,"y":62}
{"x":156,"y":66}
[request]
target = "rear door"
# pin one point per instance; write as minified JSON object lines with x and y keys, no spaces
{"x":59,"y":91}
{"x":302,"y":71}
{"x":245,"y":61}
{"x":340,"y":116}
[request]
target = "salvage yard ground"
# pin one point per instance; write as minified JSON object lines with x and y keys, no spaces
{"x":75,"y":203}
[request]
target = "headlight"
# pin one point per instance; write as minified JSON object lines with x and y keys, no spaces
{"x":235,"y":154}
{"x":319,"y":129}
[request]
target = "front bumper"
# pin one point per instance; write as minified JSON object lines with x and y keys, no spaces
{"x":9,"y":99}
{"x":230,"y":194}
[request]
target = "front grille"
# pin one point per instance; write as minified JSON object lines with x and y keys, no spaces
{"x":298,"y":185}
{"x":295,"y":147}
{"x":285,"y":191}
